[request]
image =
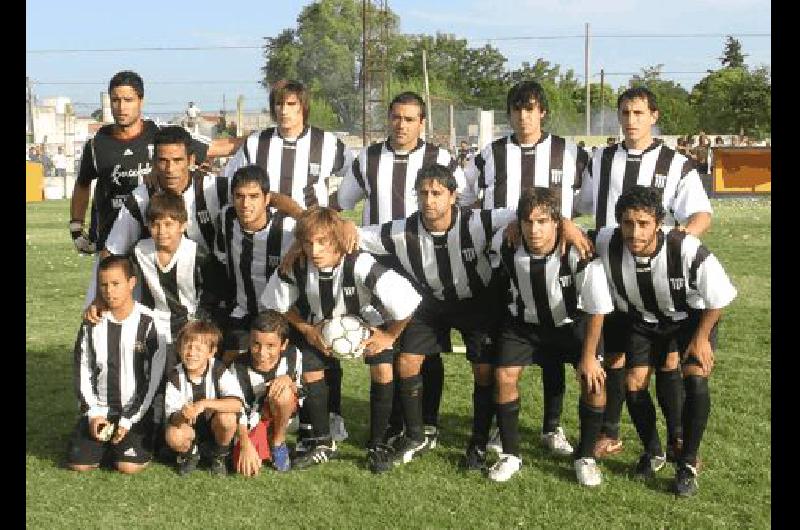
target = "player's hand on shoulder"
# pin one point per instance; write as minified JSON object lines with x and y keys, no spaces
{"x":80,"y":238}
{"x":378,"y":341}
{"x":94,"y":312}
{"x":571,"y":234}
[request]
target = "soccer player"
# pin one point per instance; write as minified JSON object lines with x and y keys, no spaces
{"x":444,"y":249}
{"x":203,"y":400}
{"x":251,"y":244}
{"x":385,"y":173}
{"x":641,"y":160}
{"x":270,"y":379}
{"x":672,"y":290}
{"x":320,"y":280}
{"x":498,"y":174}
{"x":119,"y":363}
{"x":555,"y":316}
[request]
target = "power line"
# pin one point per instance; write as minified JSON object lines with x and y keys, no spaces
{"x":187,"y":82}
{"x":151,"y":49}
{"x":624,"y":36}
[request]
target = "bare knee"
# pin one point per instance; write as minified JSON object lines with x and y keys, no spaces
{"x":179,"y":438}
{"x":313,"y":377}
{"x":506,"y":378}
{"x":671,"y":362}
{"x":381,"y":373}
{"x":129,"y":468}
{"x":82,"y":467}
{"x":409,"y":364}
{"x":637,"y":378}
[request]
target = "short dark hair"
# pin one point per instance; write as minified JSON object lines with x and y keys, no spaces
{"x":639,"y":92}
{"x":205,"y":329}
{"x":173,"y":134}
{"x":534,"y":197}
{"x":640,"y":198}
{"x":270,"y":321}
{"x":166,"y":205}
{"x":437,"y":173}
{"x":111,"y":261}
{"x":251,"y":173}
{"x":281,"y":88}
{"x":409,"y":98}
{"x":520,"y":95}
{"x":127,"y":78}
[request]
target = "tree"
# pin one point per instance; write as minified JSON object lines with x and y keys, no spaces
{"x":97,"y":114}
{"x":676,"y":115}
{"x":732,"y":56}
{"x":734,"y":100}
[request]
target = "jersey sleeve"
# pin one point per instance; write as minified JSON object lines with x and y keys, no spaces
{"x":88,"y":170}
{"x":124,"y":234}
{"x":466,"y":194}
{"x":385,"y":284}
{"x":711,"y":283}
{"x":370,"y":239}
{"x":690,"y":197}
{"x":84,"y":370}
{"x":156,"y":354}
{"x":237,"y":160}
{"x":281,"y":292}
{"x":584,"y":201}
{"x":594,"y":296}
{"x":352,"y":188}
{"x":173,"y":399}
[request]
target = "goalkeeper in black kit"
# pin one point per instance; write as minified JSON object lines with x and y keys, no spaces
{"x":319,"y":280}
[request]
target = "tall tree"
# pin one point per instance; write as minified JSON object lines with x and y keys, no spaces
{"x":732,"y":56}
{"x":735,"y":101}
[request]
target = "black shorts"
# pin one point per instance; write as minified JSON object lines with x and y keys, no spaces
{"x":616,"y":329}
{"x":134,"y":448}
{"x":649,"y":344}
{"x":236,"y":334}
{"x":522,"y":344}
{"x":314,"y":360}
{"x":476,"y":319}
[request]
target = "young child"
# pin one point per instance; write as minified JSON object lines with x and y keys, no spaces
{"x":202,"y":400}
{"x":119,"y":363}
{"x":269,"y":377}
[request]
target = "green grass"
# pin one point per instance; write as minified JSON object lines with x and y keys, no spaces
{"x":735,"y":483}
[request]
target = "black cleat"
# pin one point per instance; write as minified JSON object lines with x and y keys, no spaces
{"x":219,"y":465}
{"x":647,"y":466}
{"x":474,"y":459}
{"x":406,"y":449}
{"x":685,"y":480}
{"x":379,"y":458}
{"x":188,"y":462}
{"x":319,"y":454}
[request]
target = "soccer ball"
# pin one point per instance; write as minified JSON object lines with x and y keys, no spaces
{"x":344,"y":334}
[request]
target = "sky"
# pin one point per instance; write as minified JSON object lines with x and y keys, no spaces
{"x":521,"y":29}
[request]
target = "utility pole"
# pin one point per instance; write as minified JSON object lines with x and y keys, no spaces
{"x":586,"y":73}
{"x":429,"y":118}
{"x":31,"y":117}
{"x":602,"y":104}
{"x":239,"y":112}
{"x":364,"y":73}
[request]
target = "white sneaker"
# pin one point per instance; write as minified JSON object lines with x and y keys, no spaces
{"x":495,"y":444}
{"x":505,"y":468}
{"x":432,"y":434}
{"x":338,"y":431}
{"x":658,"y":461}
{"x":557,"y":443}
{"x":587,"y":472}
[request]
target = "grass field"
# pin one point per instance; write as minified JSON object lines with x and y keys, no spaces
{"x":735,"y":483}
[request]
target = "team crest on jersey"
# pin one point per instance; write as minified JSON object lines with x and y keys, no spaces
{"x":150,"y":150}
{"x":203,"y":216}
{"x":469,"y":254}
{"x":676,"y":283}
{"x":313,"y":169}
{"x":556,"y":176}
{"x":659,"y":181}
{"x":349,"y":291}
{"x":274,"y":261}
{"x":565,"y":281}
{"x":138,"y":347}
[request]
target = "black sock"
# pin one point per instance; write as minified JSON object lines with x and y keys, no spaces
{"x":305,"y":429}
{"x":591,"y":420}
{"x":316,"y":405}
{"x":508,"y":423}
{"x":220,"y":450}
{"x":411,"y":397}
{"x":396,"y":417}
{"x":615,"y":398}
{"x":554,"y":386}
{"x":482,"y":412}
{"x":643,"y":414}
{"x":380,"y":406}
{"x":695,"y":416}
{"x":432,"y":387}
{"x":333,"y":376}
{"x":669,"y":392}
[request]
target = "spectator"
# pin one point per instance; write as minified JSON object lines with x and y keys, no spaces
{"x":60,"y":163}
{"x":700,"y":153}
{"x":719,"y":142}
{"x":191,"y":117}
{"x":33,"y":154}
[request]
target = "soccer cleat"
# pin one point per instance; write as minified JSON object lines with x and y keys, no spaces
{"x":474,"y":459}
{"x":495,"y":443}
{"x":187,"y":462}
{"x":587,"y":472}
{"x":607,"y":446}
{"x":319,"y":454}
{"x":647,"y":466}
{"x":505,"y":468}
{"x":379,"y":458}
{"x":280,"y":457}
{"x":685,"y":480}
{"x":338,"y":431}
{"x":406,"y":449}
{"x":556,"y":442}
{"x":391,"y":437}
{"x":432,"y":434}
{"x":219,"y":467}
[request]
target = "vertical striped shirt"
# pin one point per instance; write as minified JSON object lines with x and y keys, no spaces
{"x":451,"y":266}
{"x":680,"y":274}
{"x":299,"y":168}
{"x":252,"y":257}
{"x":358,"y":282}
{"x":254,"y":384}
{"x":386,"y":178}
{"x":614,"y":170}
{"x":504,"y":168}
{"x":215,"y":383}
{"x":119,"y":366}
{"x":550,"y":290}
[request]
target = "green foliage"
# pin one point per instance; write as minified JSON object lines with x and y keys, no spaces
{"x":322,"y":114}
{"x":732,"y":56}
{"x":734,"y":100}
{"x":97,"y":114}
{"x":676,"y":115}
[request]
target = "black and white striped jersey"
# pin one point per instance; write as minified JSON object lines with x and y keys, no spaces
{"x":119,"y":366}
{"x":204,"y":198}
{"x":614,"y":170}
{"x":504,"y":167}
{"x":119,"y":166}
{"x":252,"y":257}
{"x":681,"y":274}
{"x":299,"y":168}
{"x":357,"y":284}
{"x":551,"y":290}
{"x":254,"y":384}
{"x":215,"y":383}
{"x":174,"y":291}
{"x":450,"y":266}
{"x":386,"y":178}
